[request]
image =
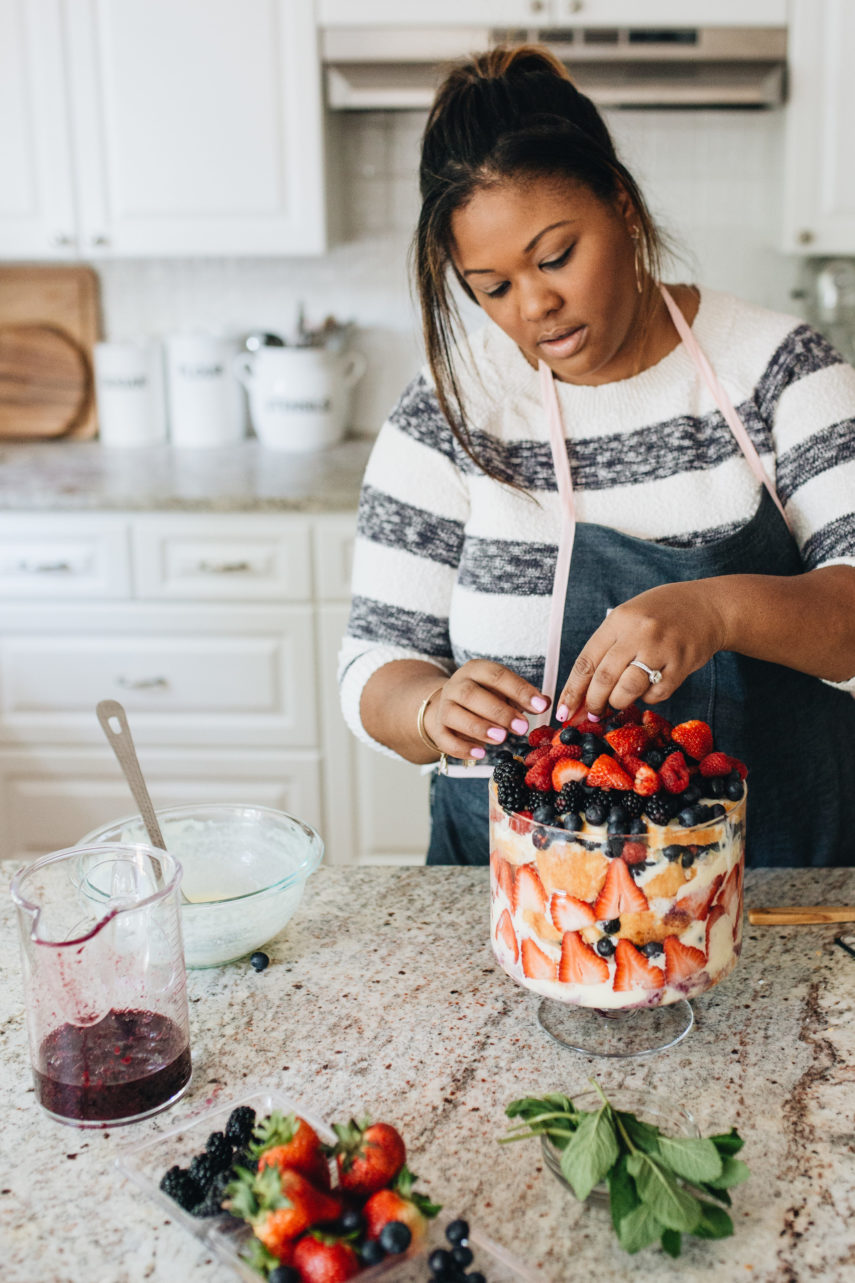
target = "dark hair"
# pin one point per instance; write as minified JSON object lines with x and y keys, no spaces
{"x":511,"y":113}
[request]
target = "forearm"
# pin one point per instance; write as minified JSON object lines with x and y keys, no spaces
{"x":390,"y":704}
{"x":805,"y":622}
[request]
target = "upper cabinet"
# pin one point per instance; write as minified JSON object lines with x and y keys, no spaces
{"x":538,"y":13}
{"x":156,"y":128}
{"x":819,"y":200}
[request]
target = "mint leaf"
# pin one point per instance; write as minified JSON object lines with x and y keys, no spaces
{"x":591,"y":1152}
{"x":642,"y":1134}
{"x":674,"y":1206}
{"x":672,"y":1242}
{"x":720,"y":1195}
{"x":623,"y":1196}
{"x":728,"y":1142}
{"x":639,"y":1229}
{"x":714,"y":1222}
{"x":691,"y":1157}
{"x":733,"y":1172}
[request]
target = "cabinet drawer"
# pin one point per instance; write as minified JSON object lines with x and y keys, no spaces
{"x":223,"y":560}
{"x":44,"y":559}
{"x":334,"y":557}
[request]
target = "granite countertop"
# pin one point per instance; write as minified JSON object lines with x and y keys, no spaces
{"x":383,"y":993}
{"x":84,"y":476}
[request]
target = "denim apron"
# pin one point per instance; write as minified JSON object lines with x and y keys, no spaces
{"x":796,"y":734}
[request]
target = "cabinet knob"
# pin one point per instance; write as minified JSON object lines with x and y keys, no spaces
{"x":141,"y":683}
{"x":805,"y":236}
{"x":100,"y":240}
{"x":45,"y":568}
{"x":223,"y":567}
{"x":575,"y":6}
{"x":537,"y":6}
{"x":60,"y":239}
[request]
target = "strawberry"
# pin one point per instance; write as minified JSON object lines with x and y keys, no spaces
{"x":633,"y":853}
{"x":540,"y":735}
{"x":322,"y":1258}
{"x":368,"y":1155}
{"x":632,"y":970}
{"x":520,"y":822}
{"x":736,"y":765}
{"x":628,"y":741}
{"x":536,"y":964}
{"x":607,"y":773}
{"x":285,"y":1141}
{"x":400,"y":1203}
{"x":625,"y":716}
{"x":728,"y":897}
{"x":695,"y":737}
{"x":528,"y":890}
{"x":658,"y":727}
{"x":695,"y":905}
{"x":539,"y":776}
{"x":715,"y":764}
{"x":579,"y":964}
{"x":619,"y":894}
{"x":565,"y":771}
{"x":279,"y":1206}
{"x":570,"y":914}
{"x":646,"y":781}
{"x":674,"y":773}
{"x":503,"y":872}
{"x":681,"y":960}
{"x":505,"y":932}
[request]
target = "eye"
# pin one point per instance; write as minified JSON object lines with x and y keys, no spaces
{"x":499,"y":290}
{"x":552,"y":264}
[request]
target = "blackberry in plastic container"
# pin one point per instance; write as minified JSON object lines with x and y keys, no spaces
{"x":239,"y":1126}
{"x":179,"y":1185}
{"x":202,"y":1169}
{"x":220,"y":1151}
{"x":212,"y":1202}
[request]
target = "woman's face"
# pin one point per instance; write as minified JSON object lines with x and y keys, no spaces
{"x":553,"y":266}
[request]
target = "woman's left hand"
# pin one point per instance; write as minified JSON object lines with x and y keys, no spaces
{"x":673,"y":629}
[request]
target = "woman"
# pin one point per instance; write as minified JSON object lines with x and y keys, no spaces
{"x":687,"y":557}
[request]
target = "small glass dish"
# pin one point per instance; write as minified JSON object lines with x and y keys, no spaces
{"x":671,"y":1119}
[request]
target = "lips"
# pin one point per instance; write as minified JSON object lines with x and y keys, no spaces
{"x":563,"y":343}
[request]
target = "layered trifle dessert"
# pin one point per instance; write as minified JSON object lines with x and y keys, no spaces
{"x":617,"y":853}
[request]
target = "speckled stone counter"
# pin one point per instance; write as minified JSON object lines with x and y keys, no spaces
{"x":383,"y":993}
{"x":81,"y":476}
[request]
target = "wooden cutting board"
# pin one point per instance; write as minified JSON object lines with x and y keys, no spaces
{"x":49,"y":325}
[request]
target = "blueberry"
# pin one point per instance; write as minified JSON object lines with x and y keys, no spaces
{"x":652,"y":947}
{"x":570,"y":735}
{"x":653,"y":757}
{"x":589,"y":756}
{"x":716,"y":786}
{"x":259,"y":961}
{"x":717,"y":811}
{"x":691,"y":794}
{"x":688,"y":858}
{"x":372,"y":1252}
{"x":462,"y":1255}
{"x":457,"y":1231}
{"x":540,"y":839}
{"x":351,"y":1221}
{"x":688,"y":818}
{"x":614,"y":846}
{"x":395,"y":1237}
{"x":612,"y":927}
{"x":284,"y":1274}
{"x":590,"y":740}
{"x":572,"y":821}
{"x":734,"y":789}
{"x":605,"y":947}
{"x":672,"y":853}
{"x":544,"y":814}
{"x":617,"y":818}
{"x":595,"y":812}
{"x":440,"y":1260}
{"x":475,"y":1277}
{"x":637,"y":825}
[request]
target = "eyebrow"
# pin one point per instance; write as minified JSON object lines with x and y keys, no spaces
{"x":485,"y":271}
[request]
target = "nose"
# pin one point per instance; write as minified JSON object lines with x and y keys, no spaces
{"x":538,"y":298}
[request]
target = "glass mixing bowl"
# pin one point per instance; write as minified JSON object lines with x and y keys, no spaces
{"x":245,"y":870}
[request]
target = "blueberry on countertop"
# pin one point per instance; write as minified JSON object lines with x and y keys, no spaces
{"x":457,"y":1231}
{"x":259,"y":961}
{"x":462,"y":1255}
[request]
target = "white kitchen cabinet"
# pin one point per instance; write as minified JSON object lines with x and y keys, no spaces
{"x":538,"y":13}
{"x":819,"y":187}
{"x":183,"y":127}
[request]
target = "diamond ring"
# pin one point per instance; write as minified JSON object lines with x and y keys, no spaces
{"x":653,"y":674}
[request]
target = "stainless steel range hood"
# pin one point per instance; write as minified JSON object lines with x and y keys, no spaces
{"x":398,"y":68}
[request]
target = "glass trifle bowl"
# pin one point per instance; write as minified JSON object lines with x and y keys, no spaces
{"x":616,"y":919}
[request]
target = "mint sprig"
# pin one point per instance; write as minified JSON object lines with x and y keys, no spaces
{"x":660,"y":1187}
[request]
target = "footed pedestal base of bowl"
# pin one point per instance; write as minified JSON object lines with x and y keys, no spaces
{"x":618,"y":1034}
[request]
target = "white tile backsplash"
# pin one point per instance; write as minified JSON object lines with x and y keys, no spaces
{"x":712,"y":178}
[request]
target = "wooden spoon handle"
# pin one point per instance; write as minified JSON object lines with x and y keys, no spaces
{"x":122,"y":745}
{"x":796,"y":915}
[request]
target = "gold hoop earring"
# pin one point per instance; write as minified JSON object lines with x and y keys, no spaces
{"x":638,"y":260}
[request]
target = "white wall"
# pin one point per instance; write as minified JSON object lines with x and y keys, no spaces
{"x":712,"y":178}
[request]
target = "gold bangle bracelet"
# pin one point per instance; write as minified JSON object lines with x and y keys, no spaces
{"x":420,"y":725}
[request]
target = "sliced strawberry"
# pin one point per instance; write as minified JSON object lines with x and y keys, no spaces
{"x":537,"y":754}
{"x":681,"y":960}
{"x":729,"y":894}
{"x":619,"y":894}
{"x":536,"y":964}
{"x":695,"y":906}
{"x":633,"y":971}
{"x":539,"y":776}
{"x":505,"y":932}
{"x":503,"y":872}
{"x":658,"y":728}
{"x":715,"y":764}
{"x":607,"y":773}
{"x":628,"y":741}
{"x":646,"y":781}
{"x":633,"y":853}
{"x":565,"y":771}
{"x":674,"y":773}
{"x":528,"y":890}
{"x":520,"y":822}
{"x":540,"y":735}
{"x":579,"y":964}
{"x":695,"y":737}
{"x":570,"y":914}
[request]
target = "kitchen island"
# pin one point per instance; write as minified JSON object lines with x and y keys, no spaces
{"x":383,"y":995}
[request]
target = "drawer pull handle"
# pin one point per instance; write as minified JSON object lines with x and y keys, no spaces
{"x":224,"y":567}
{"x":141,"y":683}
{"x":45,"y":568}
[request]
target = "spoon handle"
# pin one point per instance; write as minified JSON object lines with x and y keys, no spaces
{"x":122,"y":745}
{"x":795,"y":915}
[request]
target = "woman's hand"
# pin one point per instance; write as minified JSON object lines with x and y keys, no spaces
{"x":478,"y":705}
{"x":673,"y":629}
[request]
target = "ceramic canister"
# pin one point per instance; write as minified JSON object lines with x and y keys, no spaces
{"x":205,"y":401}
{"x":129,"y":393}
{"x":299,"y":397}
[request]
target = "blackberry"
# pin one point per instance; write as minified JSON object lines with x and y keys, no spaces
{"x":240,"y":1124}
{"x":508,"y":769}
{"x":632,"y":803}
{"x":212,"y":1203}
{"x":512,"y":794}
{"x":181,"y":1188}
{"x":219,"y":1150}
{"x":202,"y":1170}
{"x":570,"y":798}
{"x":594,"y":794}
{"x":243,"y":1158}
{"x":537,"y":798}
{"x":658,"y":809}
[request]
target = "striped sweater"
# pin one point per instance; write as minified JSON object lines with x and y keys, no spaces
{"x":451,"y":564}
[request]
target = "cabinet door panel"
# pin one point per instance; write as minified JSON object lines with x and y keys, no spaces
{"x":213,"y":560}
{"x":41,"y":559}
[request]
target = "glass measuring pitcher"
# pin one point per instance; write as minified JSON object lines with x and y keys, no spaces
{"x":104,"y":982}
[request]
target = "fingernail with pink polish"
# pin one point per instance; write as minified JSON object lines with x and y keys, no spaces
{"x":477,"y":752}
{"x":497,"y":733}
{"x":520,"y":725}
{"x":594,"y":717}
{"x":563,"y":713}
{"x":539,"y":704}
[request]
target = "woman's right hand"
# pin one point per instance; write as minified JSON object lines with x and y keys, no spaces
{"x":478,"y":705}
